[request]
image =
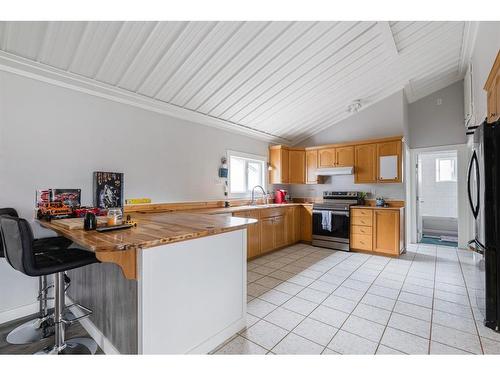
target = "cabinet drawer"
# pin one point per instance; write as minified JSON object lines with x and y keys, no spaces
{"x":358,"y":229}
{"x":360,"y":212}
{"x":365,"y":221}
{"x":271,"y":212}
{"x":361,"y":242}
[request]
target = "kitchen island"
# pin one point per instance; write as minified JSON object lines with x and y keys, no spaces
{"x":174,"y":284}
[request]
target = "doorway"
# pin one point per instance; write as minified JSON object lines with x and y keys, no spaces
{"x":437,"y":198}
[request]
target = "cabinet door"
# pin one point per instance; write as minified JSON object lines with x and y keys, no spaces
{"x":365,"y":159}
{"x":253,"y":235}
{"x":311,"y":166}
{"x":297,"y":170}
{"x":267,"y":235}
{"x":279,"y":231}
{"x":386,"y":231}
{"x":326,"y":158}
{"x":296,"y":224}
{"x":344,"y":156}
{"x":389,"y":161}
{"x":278,"y":158}
{"x":492,"y":104}
{"x":306,"y":223}
{"x":290,"y":225}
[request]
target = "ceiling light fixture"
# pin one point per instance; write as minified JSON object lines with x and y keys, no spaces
{"x":355,"y":106}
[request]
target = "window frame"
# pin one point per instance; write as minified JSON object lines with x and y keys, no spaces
{"x":438,"y":169}
{"x":249,"y":157}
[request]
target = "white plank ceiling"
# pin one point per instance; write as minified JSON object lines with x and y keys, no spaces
{"x":286,"y":80}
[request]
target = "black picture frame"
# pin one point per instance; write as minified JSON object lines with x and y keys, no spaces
{"x":108,"y":189}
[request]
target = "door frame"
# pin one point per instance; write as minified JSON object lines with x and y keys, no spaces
{"x":464,"y":217}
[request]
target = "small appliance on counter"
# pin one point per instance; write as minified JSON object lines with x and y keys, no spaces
{"x":280,"y":196}
{"x":90,"y":221}
{"x":331,"y":221}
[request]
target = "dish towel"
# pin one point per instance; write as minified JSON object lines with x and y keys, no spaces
{"x":326,"y":220}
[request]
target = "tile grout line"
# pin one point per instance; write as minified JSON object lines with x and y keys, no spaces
{"x":371,"y":284}
{"x":291,"y":331}
{"x":396,"y":301}
{"x":433,"y":294}
{"x":470,"y":305}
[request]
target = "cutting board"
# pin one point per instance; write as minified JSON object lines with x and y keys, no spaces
{"x":77,"y":222}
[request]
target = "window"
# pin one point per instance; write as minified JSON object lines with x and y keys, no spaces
{"x":446,"y":169}
{"x":245,"y":171}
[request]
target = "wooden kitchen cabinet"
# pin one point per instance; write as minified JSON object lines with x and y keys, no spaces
{"x":326,"y":158}
{"x":389,"y":161}
{"x":311,"y":166}
{"x":492,"y":88}
{"x":365,"y":164}
{"x":344,"y":156}
{"x":378,"y":230}
{"x":253,"y":233}
{"x":386,"y":232}
{"x":297,"y":166}
{"x":306,"y":223}
{"x":279,"y":231}
{"x":267,"y":235}
{"x":279,"y":161}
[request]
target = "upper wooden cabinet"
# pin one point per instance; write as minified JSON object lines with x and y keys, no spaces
{"x":326,"y":158}
{"x":389,"y":162}
{"x":311,"y":166}
{"x":374,"y":161}
{"x":365,"y":163}
{"x":492,"y":88}
{"x":279,"y":160}
{"x":297,"y":167}
{"x":336,"y":157}
{"x":344,"y":156}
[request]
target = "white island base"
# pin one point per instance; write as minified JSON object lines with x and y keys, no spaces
{"x":192,"y":294}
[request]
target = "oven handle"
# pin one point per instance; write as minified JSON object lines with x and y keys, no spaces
{"x":340,"y":213}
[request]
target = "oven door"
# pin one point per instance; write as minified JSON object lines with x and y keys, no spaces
{"x":339,"y":230}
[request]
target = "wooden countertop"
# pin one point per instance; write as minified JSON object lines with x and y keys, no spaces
{"x":153,"y":229}
{"x":376,"y":208}
{"x":228,"y":210}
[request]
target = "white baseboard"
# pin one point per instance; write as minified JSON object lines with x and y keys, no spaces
{"x":94,"y":332}
{"x":18,"y":312}
{"x":216,"y":340}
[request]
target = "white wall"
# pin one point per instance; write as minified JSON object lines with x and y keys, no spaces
{"x":433,"y":124}
{"x":439,"y":198}
{"x":383,"y":119}
{"x":485,"y":51}
{"x":56,"y":137}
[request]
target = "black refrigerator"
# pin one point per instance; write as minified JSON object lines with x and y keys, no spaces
{"x":484,"y":198}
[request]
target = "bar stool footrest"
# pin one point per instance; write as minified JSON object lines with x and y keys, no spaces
{"x":86,"y":313}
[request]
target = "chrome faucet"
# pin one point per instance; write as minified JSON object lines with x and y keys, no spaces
{"x":264,"y":195}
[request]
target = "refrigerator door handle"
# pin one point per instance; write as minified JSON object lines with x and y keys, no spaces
{"x":473,"y":161}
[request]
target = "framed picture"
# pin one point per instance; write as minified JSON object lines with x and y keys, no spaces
{"x":70,"y":197}
{"x":108,"y":189}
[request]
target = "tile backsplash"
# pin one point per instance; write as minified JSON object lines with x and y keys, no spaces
{"x":344,"y":183}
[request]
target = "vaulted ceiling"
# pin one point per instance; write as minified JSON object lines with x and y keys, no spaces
{"x":282,"y":81}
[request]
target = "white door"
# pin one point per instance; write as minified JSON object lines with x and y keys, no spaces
{"x":420,"y":200}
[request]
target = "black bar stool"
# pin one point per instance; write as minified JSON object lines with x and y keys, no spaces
{"x":19,"y":251}
{"x":42,"y":326}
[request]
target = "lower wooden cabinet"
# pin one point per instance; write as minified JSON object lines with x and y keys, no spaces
{"x":386,"y":229}
{"x":276,"y":227}
{"x":306,"y":223}
{"x":267,"y":242}
{"x":377,"y":230}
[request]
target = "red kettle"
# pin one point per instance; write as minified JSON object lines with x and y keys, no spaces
{"x":279,"y":196}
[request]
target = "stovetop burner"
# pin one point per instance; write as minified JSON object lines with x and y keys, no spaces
{"x":338,"y":200}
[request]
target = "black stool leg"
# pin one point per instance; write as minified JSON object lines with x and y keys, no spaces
{"x":36,"y":329}
{"x":80,"y":345}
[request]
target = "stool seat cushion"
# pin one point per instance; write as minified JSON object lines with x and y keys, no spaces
{"x":63,"y":260}
{"x":51,"y":244}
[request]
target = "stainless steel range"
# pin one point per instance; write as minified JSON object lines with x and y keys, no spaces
{"x":331,"y":221}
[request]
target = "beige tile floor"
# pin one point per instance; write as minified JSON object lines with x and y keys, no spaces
{"x":308,"y":300}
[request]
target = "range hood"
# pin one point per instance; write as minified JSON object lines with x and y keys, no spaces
{"x":334,"y":171}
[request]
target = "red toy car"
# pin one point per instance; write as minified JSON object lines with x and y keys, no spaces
{"x":81,"y":211}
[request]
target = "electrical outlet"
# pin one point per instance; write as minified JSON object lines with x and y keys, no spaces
{"x":218,"y":181}
{"x":439,"y":101}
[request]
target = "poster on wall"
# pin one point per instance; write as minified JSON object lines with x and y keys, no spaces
{"x":108,"y":189}
{"x":69,"y":197}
